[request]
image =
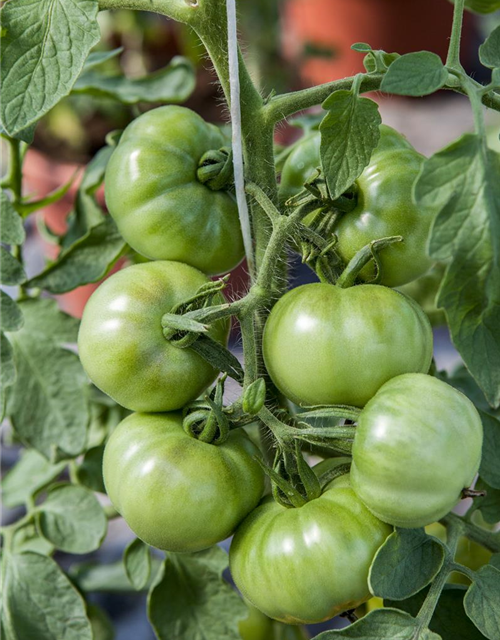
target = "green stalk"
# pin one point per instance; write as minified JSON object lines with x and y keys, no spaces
{"x":453,"y":59}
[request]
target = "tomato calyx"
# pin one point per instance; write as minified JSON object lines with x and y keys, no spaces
{"x":293,"y":481}
{"x":205,"y":419}
{"x":369,"y":252}
{"x":215,"y":169}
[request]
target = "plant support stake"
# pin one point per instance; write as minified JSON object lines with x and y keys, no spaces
{"x":239,"y":182}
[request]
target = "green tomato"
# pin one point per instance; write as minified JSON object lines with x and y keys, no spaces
{"x":384,"y":206}
{"x":424,"y":290}
{"x":306,"y":565}
{"x":176,"y":492}
{"x":327,"y":345}
{"x":300,"y":166}
{"x":417,"y":445}
{"x":256,"y":626}
{"x":156,"y":200}
{"x":121,"y":343}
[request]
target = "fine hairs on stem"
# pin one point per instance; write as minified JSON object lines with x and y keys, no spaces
{"x":239,"y":182}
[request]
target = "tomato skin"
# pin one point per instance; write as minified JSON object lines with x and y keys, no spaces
{"x":306,"y":565}
{"x":156,"y":200}
{"x":327,"y":345}
{"x":384,"y":207}
{"x":121,"y":344}
{"x":417,"y":445}
{"x":300,"y":166}
{"x":175,"y":492}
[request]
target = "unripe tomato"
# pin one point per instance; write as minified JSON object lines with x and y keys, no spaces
{"x":175,"y":492}
{"x":327,"y":345}
{"x":155,"y":198}
{"x":417,"y":445}
{"x":307,"y":564}
{"x":121,"y":344}
{"x":384,"y":206}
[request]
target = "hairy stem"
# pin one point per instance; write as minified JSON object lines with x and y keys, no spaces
{"x":453,"y":59}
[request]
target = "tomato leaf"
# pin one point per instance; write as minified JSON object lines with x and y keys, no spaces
{"x":382,"y":624}
{"x":11,"y":224}
{"x":489,"y":51}
{"x":191,"y":601}
{"x":488,"y":505}
{"x":173,"y":84}
{"x":55,"y":419}
{"x":11,"y":270}
{"x":406,"y":563}
{"x":8,"y":367}
{"x":490,"y":469}
{"x":38,"y":67}
{"x":89,"y":472}
{"x":11,"y":318}
{"x":461,"y":184}
{"x":72,"y":519}
{"x":481,"y":602}
{"x":32,"y":584}
{"x":31,"y":473}
{"x":449,"y":620}
{"x":137,"y":562}
{"x":87,"y":260}
{"x":96,"y":58}
{"x":102,"y":627}
{"x":349,"y":133}
{"x":415,"y":74}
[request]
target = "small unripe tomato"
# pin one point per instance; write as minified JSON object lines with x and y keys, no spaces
{"x":175,"y":492}
{"x":327,"y":345}
{"x":417,"y":445}
{"x":308,"y":564}
{"x":121,"y":343}
{"x":156,"y":200}
{"x":384,"y":206}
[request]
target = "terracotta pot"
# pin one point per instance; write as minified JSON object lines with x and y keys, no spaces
{"x":392,"y":25}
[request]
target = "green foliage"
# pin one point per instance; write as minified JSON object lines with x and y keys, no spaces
{"x":31,"y":474}
{"x":481,"y":602}
{"x":465,"y":233}
{"x":71,"y":519}
{"x":35,"y":70}
{"x":406,"y":563}
{"x":55,"y":419}
{"x":349,"y":133}
{"x":173,"y":84}
{"x":137,"y":561}
{"x":382,"y":624}
{"x":201,"y":605}
{"x":31,"y":584}
{"x":415,"y":74}
{"x":449,"y":619}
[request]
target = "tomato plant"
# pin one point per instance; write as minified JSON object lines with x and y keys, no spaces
{"x":343,"y":368}
{"x":151,"y":470}
{"x":121,"y":342}
{"x":310,"y":550}
{"x":383,"y":208}
{"x":328,"y":345}
{"x":160,"y":207}
{"x":417,"y":446}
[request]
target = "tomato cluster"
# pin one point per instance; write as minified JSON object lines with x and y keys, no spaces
{"x":417,"y":442}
